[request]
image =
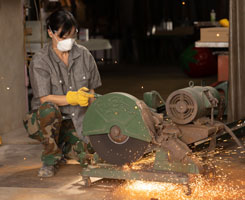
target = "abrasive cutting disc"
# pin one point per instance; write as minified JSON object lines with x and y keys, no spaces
{"x":118,"y":152}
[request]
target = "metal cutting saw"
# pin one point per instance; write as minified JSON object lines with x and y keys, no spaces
{"x":151,"y":139}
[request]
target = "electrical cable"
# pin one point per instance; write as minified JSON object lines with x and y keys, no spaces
{"x":227,"y":129}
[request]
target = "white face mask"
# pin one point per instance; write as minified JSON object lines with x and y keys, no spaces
{"x":66,"y":44}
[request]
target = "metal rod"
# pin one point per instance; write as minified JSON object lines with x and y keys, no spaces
{"x":234,"y":136}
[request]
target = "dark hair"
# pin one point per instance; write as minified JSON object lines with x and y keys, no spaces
{"x":61,"y":19}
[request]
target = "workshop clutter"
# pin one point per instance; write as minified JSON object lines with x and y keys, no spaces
{"x":217,"y":34}
{"x":198,"y":62}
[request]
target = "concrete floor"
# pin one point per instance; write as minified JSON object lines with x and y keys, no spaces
{"x":20,"y":156}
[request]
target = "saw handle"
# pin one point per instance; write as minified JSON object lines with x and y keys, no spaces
{"x":97,"y":95}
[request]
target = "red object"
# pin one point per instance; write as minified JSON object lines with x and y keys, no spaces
{"x":223,"y":67}
{"x":205,"y":65}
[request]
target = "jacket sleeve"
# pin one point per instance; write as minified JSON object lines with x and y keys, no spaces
{"x":39,"y":77}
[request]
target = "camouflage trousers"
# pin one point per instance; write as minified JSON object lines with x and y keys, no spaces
{"x":57,"y":136}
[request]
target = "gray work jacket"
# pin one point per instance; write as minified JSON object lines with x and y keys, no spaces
{"x":50,"y":76}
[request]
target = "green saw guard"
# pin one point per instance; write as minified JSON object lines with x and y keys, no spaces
{"x":116,"y":109}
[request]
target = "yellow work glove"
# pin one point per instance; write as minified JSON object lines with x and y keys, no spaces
{"x":80,"y":97}
{"x":224,"y":22}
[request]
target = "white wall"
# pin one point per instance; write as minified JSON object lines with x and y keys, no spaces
{"x":12,"y":78}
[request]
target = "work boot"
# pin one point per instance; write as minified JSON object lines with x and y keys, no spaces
{"x":61,"y":162}
{"x":46,"y":171}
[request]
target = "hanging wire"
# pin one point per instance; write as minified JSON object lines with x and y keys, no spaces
{"x":37,"y":13}
{"x":39,"y":19}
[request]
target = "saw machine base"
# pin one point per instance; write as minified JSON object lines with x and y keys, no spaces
{"x":155,"y":167}
{"x":150,"y":168}
{"x":114,"y":172}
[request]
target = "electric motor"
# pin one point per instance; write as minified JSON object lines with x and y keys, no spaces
{"x":188,"y":104}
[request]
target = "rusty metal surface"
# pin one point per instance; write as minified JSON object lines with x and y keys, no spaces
{"x":188,"y":104}
{"x":193,"y":133}
{"x":182,"y":107}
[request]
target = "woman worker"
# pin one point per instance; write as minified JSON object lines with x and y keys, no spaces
{"x":63,"y":77}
